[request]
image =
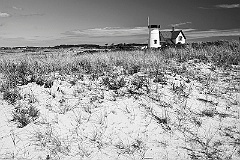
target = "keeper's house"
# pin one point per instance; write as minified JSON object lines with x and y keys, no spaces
{"x":172,"y":37}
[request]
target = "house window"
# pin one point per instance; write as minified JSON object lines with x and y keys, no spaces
{"x":180,"y":38}
{"x":155,"y":41}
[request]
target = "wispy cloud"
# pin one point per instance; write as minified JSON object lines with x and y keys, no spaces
{"x":228,"y":6}
{"x":140,"y":34}
{"x":195,"y":34}
{"x":206,"y":8}
{"x":108,"y":32}
{"x":143,"y":32}
{"x":31,"y":14}
{"x":4,"y":15}
{"x":17,"y":8}
{"x":180,"y":24}
{"x":222,"y":6}
{"x":17,"y":41}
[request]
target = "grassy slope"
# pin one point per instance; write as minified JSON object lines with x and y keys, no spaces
{"x":171,"y":104}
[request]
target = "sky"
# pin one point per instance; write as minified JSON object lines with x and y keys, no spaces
{"x":56,"y":22}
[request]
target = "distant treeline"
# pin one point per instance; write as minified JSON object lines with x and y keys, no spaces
{"x":106,"y":46}
{"x":85,"y":46}
{"x":199,"y":45}
{"x":128,"y":46}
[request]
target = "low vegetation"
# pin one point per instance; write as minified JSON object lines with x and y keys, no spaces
{"x":177,"y":102}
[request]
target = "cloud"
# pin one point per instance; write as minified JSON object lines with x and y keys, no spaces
{"x":108,"y":32}
{"x":222,"y":6}
{"x":195,"y":34}
{"x":228,"y":6}
{"x":17,"y":41}
{"x":116,"y":32}
{"x":180,"y":24}
{"x":206,"y":8}
{"x":4,"y":15}
{"x":17,"y":8}
{"x":31,"y":14}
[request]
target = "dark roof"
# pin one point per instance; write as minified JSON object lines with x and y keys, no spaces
{"x":175,"y":34}
{"x":154,"y":26}
{"x":170,"y":34}
{"x":166,"y":34}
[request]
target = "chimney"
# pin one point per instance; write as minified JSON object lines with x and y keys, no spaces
{"x":173,"y":28}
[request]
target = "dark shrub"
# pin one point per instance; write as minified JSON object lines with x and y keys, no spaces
{"x":24,"y":114}
{"x":11,"y":96}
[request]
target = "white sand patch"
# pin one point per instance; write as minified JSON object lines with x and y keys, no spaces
{"x":180,"y":119}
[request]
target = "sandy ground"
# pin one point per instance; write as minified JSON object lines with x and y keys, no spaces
{"x":176,"y":118}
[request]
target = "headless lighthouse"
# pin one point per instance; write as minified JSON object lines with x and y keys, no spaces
{"x":154,"y":40}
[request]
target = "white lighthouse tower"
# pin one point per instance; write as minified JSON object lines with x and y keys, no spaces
{"x":154,"y":39}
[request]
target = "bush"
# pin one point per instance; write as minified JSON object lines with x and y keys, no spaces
{"x":113,"y":83}
{"x":11,"y":96}
{"x":24,"y":114}
{"x":138,"y":84}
